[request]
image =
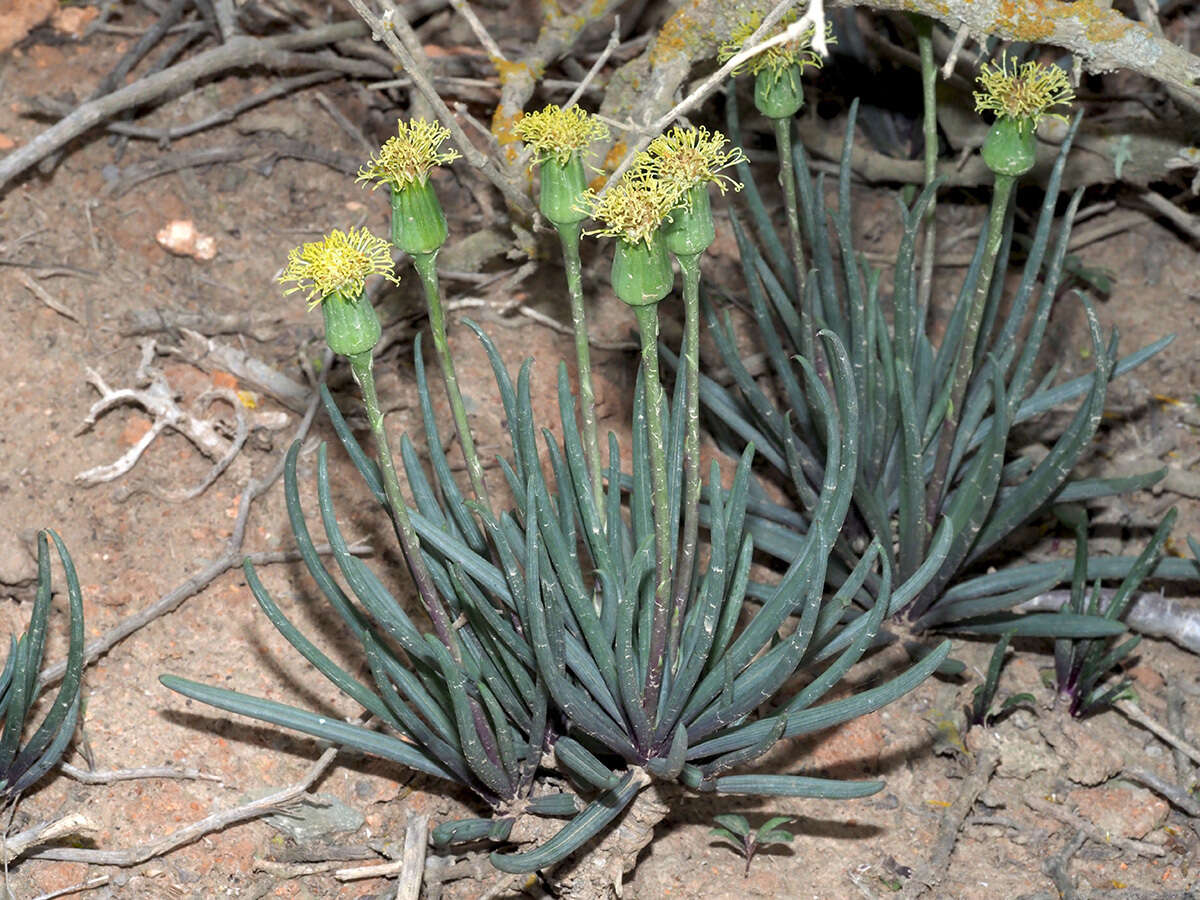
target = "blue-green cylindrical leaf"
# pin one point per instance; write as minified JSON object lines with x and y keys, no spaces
{"x":577,"y":832}
{"x":796,"y":786}
{"x":342,"y":733}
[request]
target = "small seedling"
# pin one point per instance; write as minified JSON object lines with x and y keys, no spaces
{"x":736,"y":830}
{"x":980,"y":712}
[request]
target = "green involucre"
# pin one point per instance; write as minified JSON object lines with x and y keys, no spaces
{"x":779,"y":95}
{"x":351,"y":325}
{"x":691,"y":229}
{"x":563,"y":186}
{"x":418,"y":223}
{"x":1010,"y":147}
{"x":641,"y":271}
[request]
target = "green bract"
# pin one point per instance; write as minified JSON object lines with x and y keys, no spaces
{"x":691,"y":229}
{"x":641,"y":271}
{"x":1008,"y":149}
{"x":418,"y":223}
{"x":779,"y":95}
{"x":351,"y":325}
{"x":562,"y":187}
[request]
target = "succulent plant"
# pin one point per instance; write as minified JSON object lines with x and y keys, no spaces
{"x":582,"y":622}
{"x":1081,"y":666}
{"x":933,"y":470}
{"x":735,"y":830}
{"x":24,"y":759}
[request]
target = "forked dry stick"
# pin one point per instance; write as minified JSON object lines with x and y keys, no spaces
{"x":157,"y":398}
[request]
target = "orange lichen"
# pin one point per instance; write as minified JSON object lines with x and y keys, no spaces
{"x":681,"y":33}
{"x":503,"y":124}
{"x":1036,"y":20}
{"x":509,"y":70}
{"x":614,"y":156}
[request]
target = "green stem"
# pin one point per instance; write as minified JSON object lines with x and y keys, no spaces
{"x":1001,"y":195}
{"x":362,"y":364}
{"x":647,"y":317}
{"x":569,"y":235}
{"x":924,"y":26}
{"x":689,"y":265}
{"x":426,"y":266}
{"x":787,"y":178}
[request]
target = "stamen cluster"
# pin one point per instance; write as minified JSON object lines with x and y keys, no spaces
{"x":338,"y":263}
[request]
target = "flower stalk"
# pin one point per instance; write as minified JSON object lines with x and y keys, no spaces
{"x":1021,"y":95}
{"x":559,"y":137}
{"x":691,"y":159}
{"x":404,"y":163}
{"x":333,"y":273}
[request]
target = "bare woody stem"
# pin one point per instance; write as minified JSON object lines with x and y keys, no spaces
{"x":569,"y":236}
{"x":647,"y":317}
{"x":689,"y":265}
{"x":362,"y":364}
{"x":1001,"y":195}
{"x":426,"y":266}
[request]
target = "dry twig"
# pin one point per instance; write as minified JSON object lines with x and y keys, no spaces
{"x":952,"y":820}
{"x":1095,"y":833}
{"x":189,"y":833}
{"x":238,"y":53}
{"x":1134,"y":713}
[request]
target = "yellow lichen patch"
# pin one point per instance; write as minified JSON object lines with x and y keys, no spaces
{"x":1037,"y":20}
{"x":682,"y":33}
{"x":614,"y":156}
{"x":509,"y":70}
{"x":338,"y":263}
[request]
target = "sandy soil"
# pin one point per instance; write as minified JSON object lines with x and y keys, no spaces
{"x":89,"y":244}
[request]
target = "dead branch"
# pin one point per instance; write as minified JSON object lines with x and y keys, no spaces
{"x":239,"y":52}
{"x":385,"y":28}
{"x":952,"y":820}
{"x":86,"y":776}
{"x":1098,"y":835}
{"x":1149,"y":613}
{"x":189,"y":833}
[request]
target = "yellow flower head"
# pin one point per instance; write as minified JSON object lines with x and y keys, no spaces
{"x":779,"y":58}
{"x":1022,"y":91}
{"x":408,"y":157}
{"x":555,"y":133}
{"x":687,"y":157}
{"x":339,"y":263}
{"x":634,"y":208}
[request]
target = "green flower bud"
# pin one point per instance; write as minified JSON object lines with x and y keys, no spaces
{"x":563,"y":186}
{"x":779,"y":94}
{"x":690,"y":229}
{"x":641,"y":271}
{"x":351,"y":325}
{"x":418,"y":223}
{"x":1010,"y":149}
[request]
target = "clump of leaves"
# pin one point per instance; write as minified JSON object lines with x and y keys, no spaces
{"x":23,"y":763}
{"x":1082,"y":667}
{"x":980,"y":711}
{"x":935,"y":484}
{"x":735,"y":830}
{"x":584,"y":621}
